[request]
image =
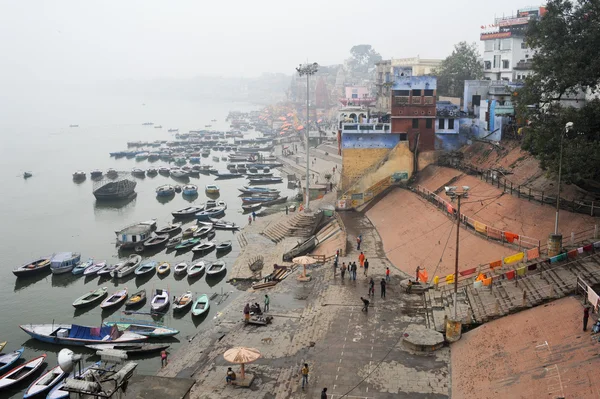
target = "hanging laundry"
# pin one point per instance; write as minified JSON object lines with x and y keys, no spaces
{"x":487,"y":282}
{"x":450,"y":278}
{"x":494,"y":233}
{"x":480,"y":227}
{"x":572,"y":254}
{"x":480,"y":277}
{"x":436,"y":280}
{"x":532,"y":267}
{"x":593,"y":298}
{"x":423,"y":276}
{"x":588,"y":248}
{"x":511,"y":237}
{"x":521,"y":271}
{"x":495,"y":264}
{"x":558,"y":258}
{"x":467,"y":272}
{"x":514,"y":258}
{"x":533,"y":253}
{"x":510,"y":275}
{"x":449,"y":208}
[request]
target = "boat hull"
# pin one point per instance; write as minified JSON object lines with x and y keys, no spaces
{"x":42,"y":332}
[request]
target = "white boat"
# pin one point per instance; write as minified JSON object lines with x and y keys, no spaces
{"x":183,"y":301}
{"x":160,"y":300}
{"x":20,"y":373}
{"x":64,"y":262}
{"x":180,"y":268}
{"x":127,"y":267}
{"x":45,"y":382}
{"x":133,"y":236}
{"x":178,"y":173}
{"x":196,"y":269}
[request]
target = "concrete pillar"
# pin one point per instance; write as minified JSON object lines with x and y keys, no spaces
{"x":554,"y":244}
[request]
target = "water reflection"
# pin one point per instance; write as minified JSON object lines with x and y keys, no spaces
{"x":190,"y":198}
{"x":144,"y":278}
{"x":116,"y":204}
{"x":24,"y":282}
{"x":197,"y":320}
{"x":63,"y":280}
{"x":214,"y":279}
{"x":165,"y":199}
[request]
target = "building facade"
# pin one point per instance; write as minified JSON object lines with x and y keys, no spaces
{"x":413,"y":108}
{"x":506,"y":55}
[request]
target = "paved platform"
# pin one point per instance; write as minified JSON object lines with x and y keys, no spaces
{"x":153,"y":387}
{"x":421,"y":339}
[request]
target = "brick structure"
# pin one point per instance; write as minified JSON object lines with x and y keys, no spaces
{"x":414,"y":108}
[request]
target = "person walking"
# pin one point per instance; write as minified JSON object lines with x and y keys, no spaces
{"x":372,"y":287}
{"x":387,"y":274}
{"x":249,"y":220}
{"x":354,"y":271}
{"x":304,"y":372}
{"x":267,"y":302}
{"x":247,"y":313}
{"x":361,"y":259}
{"x":286,"y":210}
{"x":382,"y":283}
{"x":358,"y":240}
{"x":163,"y":358}
{"x":586,"y":316}
{"x":335,"y":265}
{"x":365,"y":304}
{"x":343,"y":269}
{"x":324,"y":393}
{"x":253,"y":216}
{"x":366,"y":266}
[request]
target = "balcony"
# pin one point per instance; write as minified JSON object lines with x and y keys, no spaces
{"x":361,"y":128}
{"x":524,"y":65}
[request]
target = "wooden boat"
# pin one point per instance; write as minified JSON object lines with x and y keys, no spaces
{"x":160,"y":300}
{"x":94,"y":269}
{"x":2,"y":345}
{"x":266,"y":180}
{"x":90,"y":298}
{"x":80,"y":268}
{"x":156,"y":240}
{"x":64,"y":262}
{"x":222,"y":204}
{"x":203,"y":230}
{"x":223,"y":176}
{"x":145,"y":328}
{"x":34,"y":267}
{"x":215,"y":268}
{"x":183,"y":302}
{"x":127,"y":267}
{"x":180,"y":268}
{"x":108,"y":269}
{"x":136,"y":299}
{"x":223,"y":225}
{"x":186,"y":212}
{"x":196,"y":269}
{"x":115,"y":299}
{"x":74,"y":334}
{"x":259,"y":174}
{"x":178,"y":173}
{"x":45,"y":382}
{"x":190,"y":242}
{"x":224,"y":246}
{"x":212,"y":189}
{"x":8,"y":359}
{"x":59,"y":393}
{"x":274,"y":201}
{"x":22,"y":372}
{"x":190,"y":189}
{"x":163,"y":268}
{"x":209,"y":204}
{"x":168,"y":229}
{"x":146,"y":267}
{"x":173,"y":242}
{"x":96,"y":173}
{"x":130,"y":349}
{"x":211,"y":213}
{"x":190,"y":231}
{"x":256,"y":200}
{"x":252,"y":207}
{"x":137,"y":172}
{"x":300,"y":249}
{"x":204,"y":247}
{"x":201,"y":305}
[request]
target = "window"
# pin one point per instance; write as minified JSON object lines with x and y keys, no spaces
{"x":415,"y":123}
{"x":505,"y":44}
{"x":450,"y":124}
{"x":428,"y":123}
{"x":523,"y":45}
{"x":354,"y":95}
{"x":403,"y":137}
{"x":488,"y":64}
{"x":441,"y":123}
{"x":416,"y":93}
{"x":403,"y":93}
{"x":387,"y":77}
{"x":489,"y":45}
{"x":497,"y":44}
{"x":505,"y":64}
{"x":428,"y":92}
{"x":496,"y":61}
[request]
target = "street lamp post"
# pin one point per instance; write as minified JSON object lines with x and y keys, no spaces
{"x":452,"y":193}
{"x":568,"y":127}
{"x":308,"y":70}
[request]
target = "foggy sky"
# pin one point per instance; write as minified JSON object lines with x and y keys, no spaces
{"x":69,"y":41}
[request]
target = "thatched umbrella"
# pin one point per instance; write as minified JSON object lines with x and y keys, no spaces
{"x":241,"y":355}
{"x":304,"y":260}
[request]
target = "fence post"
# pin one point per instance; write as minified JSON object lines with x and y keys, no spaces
{"x":504,"y":185}
{"x":595,"y":231}
{"x":529,"y":194}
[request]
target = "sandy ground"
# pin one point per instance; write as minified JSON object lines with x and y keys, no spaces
{"x":538,"y":353}
{"x":415,"y":233}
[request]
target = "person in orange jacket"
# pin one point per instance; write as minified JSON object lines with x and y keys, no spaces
{"x":361,"y":259}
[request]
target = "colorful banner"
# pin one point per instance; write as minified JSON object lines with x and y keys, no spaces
{"x":514,"y":258}
{"x":480,"y":227}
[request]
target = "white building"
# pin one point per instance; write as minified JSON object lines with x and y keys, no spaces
{"x":505,"y":53}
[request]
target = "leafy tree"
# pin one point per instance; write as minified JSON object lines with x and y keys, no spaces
{"x":565,"y":63}
{"x":363,"y":57}
{"x":463,"y":64}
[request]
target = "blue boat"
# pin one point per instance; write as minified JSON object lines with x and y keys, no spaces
{"x":64,"y":262}
{"x":58,"y":393}
{"x":77,"y":335}
{"x":147,"y":266}
{"x":165,"y":191}
{"x":250,"y":200}
{"x":80,"y":268}
{"x":8,"y":359}
{"x":211,"y":213}
{"x":190,"y":189}
{"x":195,"y":159}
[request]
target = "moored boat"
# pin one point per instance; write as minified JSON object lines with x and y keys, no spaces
{"x":133,"y":236}
{"x":163,"y":268}
{"x":64,"y":262}
{"x":160,"y":300}
{"x":166,"y":190}
{"x":156,"y":240}
{"x":96,"y":173}
{"x":190,"y":231}
{"x":223,"y":176}
{"x":203,"y":231}
{"x":190,"y":189}
{"x":45,"y":382}
{"x":168,"y":229}
{"x":180,"y":268}
{"x":95,"y":268}
{"x":256,"y":199}
{"x":146,"y":267}
{"x":136,"y":299}
{"x":201,"y":305}
{"x":258,"y":190}
{"x":190,"y":242}
{"x":215,"y":268}
{"x":79,"y":175}
{"x":108,"y":269}
{"x":130,"y":349}
{"x":59,"y":393}
{"x":265,"y":180}
{"x":77,"y":335}
{"x":204,"y":247}
{"x":127,"y":267}
{"x":114,"y":299}
{"x":90,"y":298}
{"x":34,"y":267}
{"x":8,"y":359}
{"x":223,"y":246}
{"x":80,"y":268}
{"x":178,"y":173}
{"x":182,"y":302}
{"x":146,"y":328}
{"x":186,"y":212}
{"x":210,"y":213}
{"x":196,"y":269}
{"x":252,"y":207}
{"x":173,"y":242}
{"x":137,"y":172}
{"x":212,"y":189}
{"x":22,"y":372}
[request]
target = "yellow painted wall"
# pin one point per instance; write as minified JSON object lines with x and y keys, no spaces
{"x":355,"y":161}
{"x":427,"y":158}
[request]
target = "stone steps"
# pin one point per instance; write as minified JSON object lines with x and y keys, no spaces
{"x":298,"y":225}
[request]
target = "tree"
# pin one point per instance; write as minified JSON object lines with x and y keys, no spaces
{"x":564,"y":64}
{"x":463,"y":64}
{"x":363,"y":57}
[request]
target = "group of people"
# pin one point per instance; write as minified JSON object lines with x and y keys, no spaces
{"x":255,"y":309}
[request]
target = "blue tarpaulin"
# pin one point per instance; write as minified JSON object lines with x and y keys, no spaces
{"x":83,"y":332}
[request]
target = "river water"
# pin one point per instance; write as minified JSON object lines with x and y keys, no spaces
{"x":50,"y":213}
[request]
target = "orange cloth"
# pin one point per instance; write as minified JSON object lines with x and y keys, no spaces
{"x":423,"y":276}
{"x":361,"y":259}
{"x":487,"y":281}
{"x":510,"y":237}
{"x":495,"y":264}
{"x":480,"y":277}
{"x":449,"y":208}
